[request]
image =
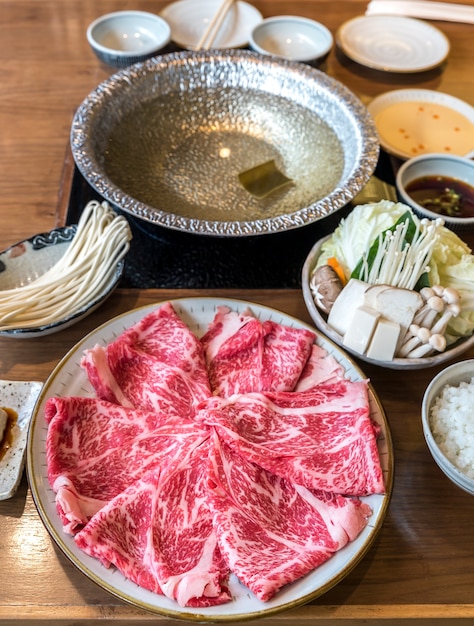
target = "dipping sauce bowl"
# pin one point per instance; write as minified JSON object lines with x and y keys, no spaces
{"x":439,"y":185}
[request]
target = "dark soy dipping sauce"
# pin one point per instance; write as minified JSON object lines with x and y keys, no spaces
{"x":7,"y":439}
{"x":443,"y":195}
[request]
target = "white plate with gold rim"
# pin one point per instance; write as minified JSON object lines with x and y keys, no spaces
{"x":411,"y":122}
{"x":69,"y":379}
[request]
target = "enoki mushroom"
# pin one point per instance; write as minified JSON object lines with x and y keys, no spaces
{"x":399,"y":263}
{"x":101,"y":241}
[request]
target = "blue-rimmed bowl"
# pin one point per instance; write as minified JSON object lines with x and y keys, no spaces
{"x":126,"y":37}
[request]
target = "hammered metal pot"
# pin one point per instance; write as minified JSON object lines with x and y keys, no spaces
{"x":176,"y":140}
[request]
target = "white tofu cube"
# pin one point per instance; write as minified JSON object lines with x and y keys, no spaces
{"x":342,"y":311}
{"x":361,"y":328}
{"x":384,"y":340}
{"x":394,"y":303}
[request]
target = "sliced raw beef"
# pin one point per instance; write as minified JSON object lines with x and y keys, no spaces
{"x":74,"y":509}
{"x":233,"y":348}
{"x":159,"y":534}
{"x":96,"y":449}
{"x":157,"y":364}
{"x":321,"y":367}
{"x":118,"y":533}
{"x":285,"y":353}
{"x":198,"y":457}
{"x":245,"y":355}
{"x":322,"y":439}
{"x":273,"y":532}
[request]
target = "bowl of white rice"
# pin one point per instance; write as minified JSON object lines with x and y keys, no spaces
{"x":448,"y":422}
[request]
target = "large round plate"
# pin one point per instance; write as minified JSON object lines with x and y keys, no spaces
{"x":69,"y":379}
{"x":411,"y":122}
{"x":171,"y":139}
{"x":320,"y":321}
{"x":189,"y":19}
{"x":393,"y":44}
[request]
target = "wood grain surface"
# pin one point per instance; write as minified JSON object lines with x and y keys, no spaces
{"x":421,"y":568}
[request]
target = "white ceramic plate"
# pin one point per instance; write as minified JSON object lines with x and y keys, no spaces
{"x":411,"y":122}
{"x":397,"y":363}
{"x":26,"y":260}
{"x":392,"y":43}
{"x":189,"y":19}
{"x":69,"y":379}
{"x":20,"y":397}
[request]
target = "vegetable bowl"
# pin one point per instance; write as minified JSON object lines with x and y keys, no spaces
{"x":392,"y":289}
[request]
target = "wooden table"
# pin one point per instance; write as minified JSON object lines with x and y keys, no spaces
{"x":421,"y":568}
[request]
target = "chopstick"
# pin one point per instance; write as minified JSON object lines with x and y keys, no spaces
{"x":424,"y":9}
{"x":214,"y":26}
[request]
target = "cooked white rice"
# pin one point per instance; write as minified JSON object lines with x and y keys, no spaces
{"x":452,"y":425}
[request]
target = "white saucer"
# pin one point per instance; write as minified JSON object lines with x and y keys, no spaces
{"x":411,"y":122}
{"x":392,"y":43}
{"x":189,"y":19}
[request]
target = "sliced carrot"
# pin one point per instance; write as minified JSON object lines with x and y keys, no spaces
{"x":337,"y":267}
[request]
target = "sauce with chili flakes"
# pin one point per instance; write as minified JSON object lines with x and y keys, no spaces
{"x":443,"y":194}
{"x":7,"y":439}
{"x":415,"y":127}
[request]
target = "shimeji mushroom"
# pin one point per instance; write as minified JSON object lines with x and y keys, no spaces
{"x":424,"y":339}
{"x":434,"y":304}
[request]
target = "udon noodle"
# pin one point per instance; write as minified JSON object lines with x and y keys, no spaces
{"x":101,"y":241}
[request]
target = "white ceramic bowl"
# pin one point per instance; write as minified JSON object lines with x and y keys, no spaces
{"x":126,"y":37}
{"x":452,"y":376}
{"x":451,"y":166}
{"x":292,"y":38}
{"x":27,"y":260}
{"x":397,"y":363}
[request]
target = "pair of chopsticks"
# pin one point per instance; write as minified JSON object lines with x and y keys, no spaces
{"x":214,"y":26}
{"x":424,"y":9}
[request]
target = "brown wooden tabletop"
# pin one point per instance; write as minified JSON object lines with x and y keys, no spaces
{"x":420,"y":569}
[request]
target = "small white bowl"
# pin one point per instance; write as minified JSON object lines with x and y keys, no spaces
{"x":451,"y":166}
{"x":452,"y":376}
{"x":397,"y":363}
{"x":126,"y":37}
{"x":27,"y":260}
{"x":292,"y":38}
